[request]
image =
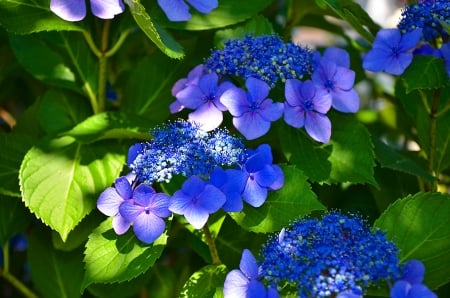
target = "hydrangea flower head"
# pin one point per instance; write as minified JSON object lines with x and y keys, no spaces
{"x":178,"y":10}
{"x":306,"y":105}
{"x":336,"y":256}
{"x":333,"y":74}
{"x":245,"y":282}
{"x":410,"y":284}
{"x":264,"y":57}
{"x":428,"y":15}
{"x":146,"y":211}
{"x":252,"y":112}
{"x":182,"y":147}
{"x":75,"y":10}
{"x":391,"y":51}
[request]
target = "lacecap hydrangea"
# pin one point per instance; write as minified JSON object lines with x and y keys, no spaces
{"x":220,"y":173}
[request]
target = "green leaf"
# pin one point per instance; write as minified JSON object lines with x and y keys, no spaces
{"x":352,"y":157}
{"x":14,"y":217}
{"x":425,"y":72}
{"x":29,"y":16}
{"x":61,"y":111}
{"x":389,"y":158}
{"x":227,"y":13}
{"x":203,"y":283}
{"x":55,"y":273}
{"x":12,"y":150}
{"x":293,"y":200}
{"x":420,"y":226}
{"x":113,"y":258}
{"x":110,"y":125}
{"x":161,"y":38}
{"x":61,"y":179}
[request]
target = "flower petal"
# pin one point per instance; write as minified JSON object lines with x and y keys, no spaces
{"x":175,"y":10}
{"x":248,"y":265}
{"x":318,"y":127}
{"x":109,"y":201}
{"x":211,"y":199}
{"x":196,"y":216}
{"x":120,"y":224}
{"x":159,"y":205}
{"x":142,"y":194}
{"x":400,"y":289}
{"x":257,"y":90}
{"x":204,"y":6}
{"x":130,"y":211}
{"x":413,"y":272}
{"x":148,"y":227}
{"x":254,"y":194}
{"x":208,"y":116}
{"x":375,"y":60}
{"x":235,"y":100}
{"x":271,"y":111}
{"x":251,"y":125}
{"x":338,"y":56}
{"x":123,"y":188}
{"x":107,"y":9}
{"x":236,"y":284}
{"x":69,"y":10}
{"x":294,"y":115}
{"x":345,"y":101}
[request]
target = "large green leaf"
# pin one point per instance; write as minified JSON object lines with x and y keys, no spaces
{"x":160,"y":37}
{"x":425,"y":72}
{"x":113,"y":258}
{"x":293,"y":200}
{"x":14,"y":217}
{"x":420,"y":226}
{"x":29,"y":16}
{"x":55,"y":273}
{"x":61,"y":179}
{"x":203,"y":283}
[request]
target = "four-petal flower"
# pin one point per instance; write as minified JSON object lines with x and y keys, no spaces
{"x":75,"y":10}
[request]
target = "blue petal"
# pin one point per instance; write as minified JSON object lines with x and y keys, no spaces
{"x":142,"y":194}
{"x":159,"y":205}
{"x":257,"y":90}
{"x":130,"y":211}
{"x":248,"y":265}
{"x":413,"y":272}
{"x":193,"y":186}
{"x":410,"y":40}
{"x":123,"y":187}
{"x":175,"y":10}
{"x":397,"y":65}
{"x":318,"y":127}
{"x":211,"y":199}
{"x":236,"y":284}
{"x":148,"y":227}
{"x":235,"y":100}
{"x":251,"y":125}
{"x":69,"y":10}
{"x":120,"y":224}
{"x":207,"y":116}
{"x":266,"y":177}
{"x":254,"y":194}
{"x":179,"y":202}
{"x":191,"y":97}
{"x":107,"y":9}
{"x":133,"y":152}
{"x":421,"y":291}
{"x":204,"y":6}
{"x":279,"y":181}
{"x":338,"y":56}
{"x":109,"y":201}
{"x":256,"y":289}
{"x":375,"y":60}
{"x":400,"y":289}
{"x":294,"y":115}
{"x":196,"y":216}
{"x":346,"y":101}
{"x":271,"y":111}
{"x":292,"y":92}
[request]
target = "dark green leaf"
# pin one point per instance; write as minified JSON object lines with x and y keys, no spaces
{"x":113,"y":258}
{"x":293,"y":200}
{"x":55,"y":273}
{"x":203,"y":283}
{"x":425,"y":72}
{"x":14,"y":217}
{"x":61,"y":179}
{"x":29,"y":16}
{"x":420,"y":226}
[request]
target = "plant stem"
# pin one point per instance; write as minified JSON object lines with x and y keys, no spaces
{"x":212,"y":245}
{"x":102,"y":67}
{"x":432,"y":149}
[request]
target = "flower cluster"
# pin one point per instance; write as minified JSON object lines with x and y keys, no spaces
{"x":338,"y":256}
{"x":419,"y":32}
{"x":410,"y":284}
{"x":221,"y":174}
{"x":313,"y":83}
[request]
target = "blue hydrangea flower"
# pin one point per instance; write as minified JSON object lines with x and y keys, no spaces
{"x":410,"y":284}
{"x":204,"y":98}
{"x":252,"y":112}
{"x":111,"y":198}
{"x":306,"y":106}
{"x":445,"y":52}
{"x":182,"y":148}
{"x":261,"y":176}
{"x":192,"y":79}
{"x":196,"y":200}
{"x":232,"y":183}
{"x":428,"y":15}
{"x":178,"y":10}
{"x":245,"y":282}
{"x":264,"y":57}
{"x":391,"y":51}
{"x":146,"y":211}
{"x":332,"y":73}
{"x":75,"y":10}
{"x":302,"y":258}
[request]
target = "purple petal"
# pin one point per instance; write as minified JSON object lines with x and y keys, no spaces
{"x":69,"y":10}
{"x":421,"y":291}
{"x":211,"y":199}
{"x":159,"y":205}
{"x":107,"y":9}
{"x":338,"y":56}
{"x":279,"y":181}
{"x":109,"y":201}
{"x":142,"y":194}
{"x":346,"y":101}
{"x":292,"y":92}
{"x":191,"y":97}
{"x":254,"y":194}
{"x":208,"y":116}
{"x":318,"y":127}
{"x":400,"y":289}
{"x":175,"y":10}
{"x":344,"y":78}
{"x":175,"y":107}
{"x":294,"y":115}
{"x":196,"y":216}
{"x":236,"y":285}
{"x":193,"y":186}
{"x":248,"y":265}
{"x":178,"y":86}
{"x":120,"y":224}
{"x":179,"y":202}
{"x":322,"y":101}
{"x":413,"y":272}
{"x":148,"y":227}
{"x":204,"y":6}
{"x":130,"y":211}
{"x":123,"y":188}
{"x":251,"y":125}
{"x":257,"y":90}
{"x":271,"y":111}
{"x":235,"y":100}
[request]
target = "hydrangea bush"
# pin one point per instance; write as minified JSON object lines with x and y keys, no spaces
{"x":187,"y":148}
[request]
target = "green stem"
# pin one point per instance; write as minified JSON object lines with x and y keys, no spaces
{"x":103,"y":66}
{"x":212,"y":245}
{"x":118,"y":44}
{"x":432,"y":149}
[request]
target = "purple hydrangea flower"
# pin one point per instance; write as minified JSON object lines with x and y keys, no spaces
{"x":111,"y":198}
{"x":75,"y":10}
{"x":192,"y":79}
{"x":196,"y":200}
{"x":391,"y":51}
{"x":203,"y":97}
{"x":252,"y":112}
{"x":306,"y":105}
{"x":410,"y":284}
{"x":333,"y":74}
{"x":245,"y":282}
{"x":232,"y":183}
{"x":262,"y":176}
{"x":146,"y":211}
{"x":178,"y":10}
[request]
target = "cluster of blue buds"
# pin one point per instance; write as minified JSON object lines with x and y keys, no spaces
{"x":419,"y":32}
{"x":337,"y":256}
{"x":313,"y":82}
{"x":220,"y":174}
